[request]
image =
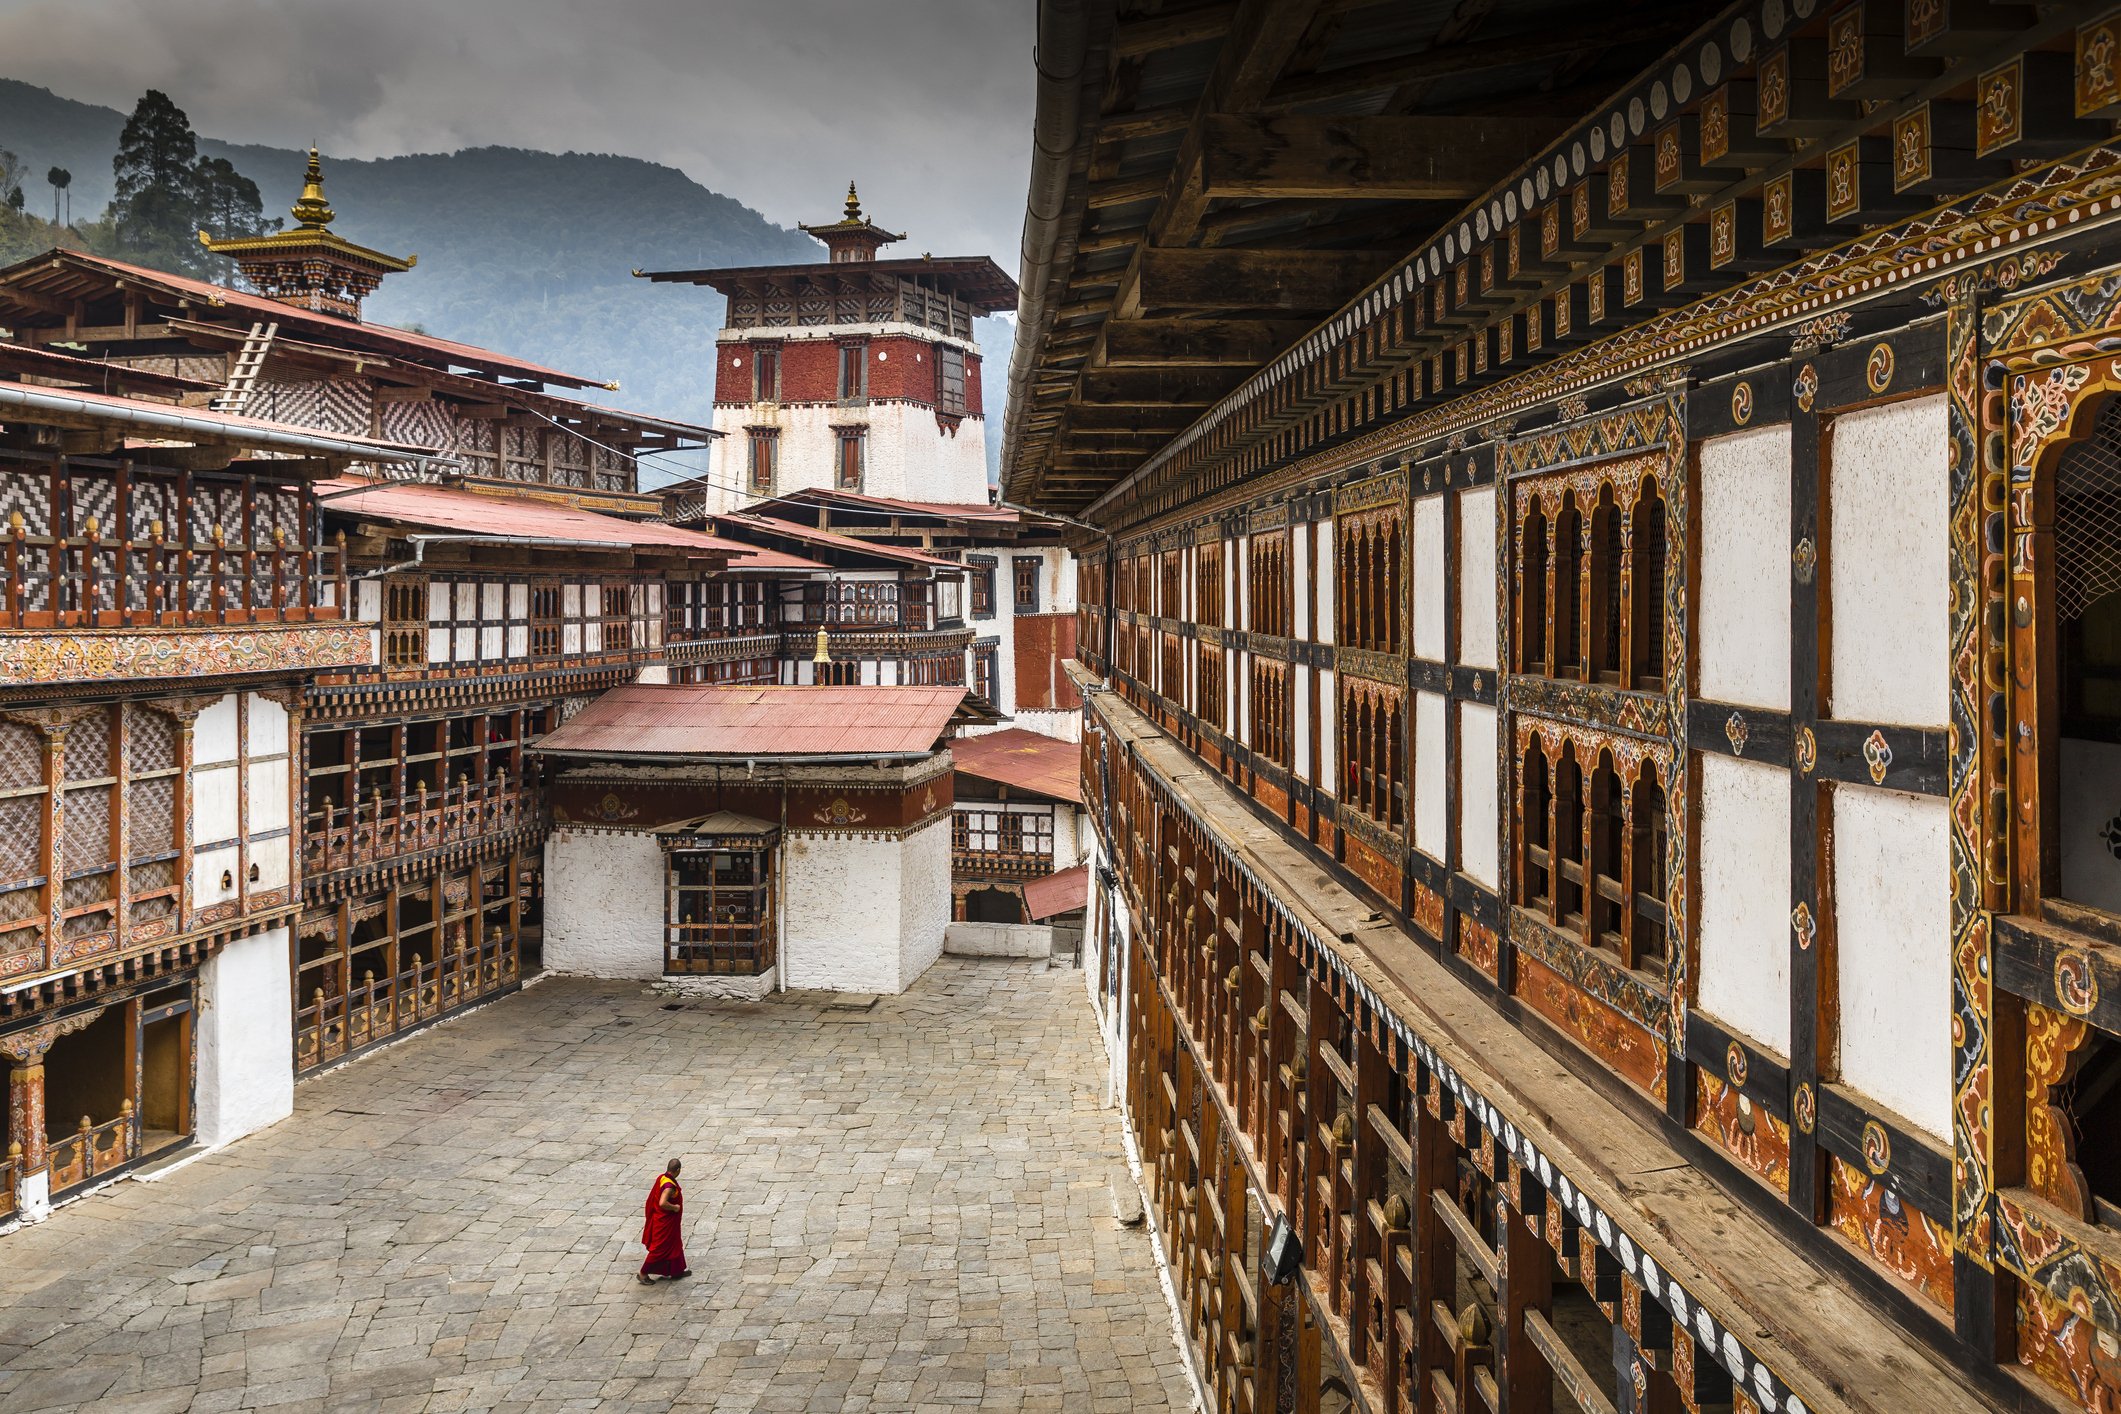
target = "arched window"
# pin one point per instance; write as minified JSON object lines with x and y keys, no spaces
{"x":1568,"y":840}
{"x":1608,"y":846}
{"x":1568,"y":590}
{"x":1532,"y":559}
{"x":1648,"y":669}
{"x":1649,"y":945}
{"x":1536,"y":877}
{"x":1606,"y":581}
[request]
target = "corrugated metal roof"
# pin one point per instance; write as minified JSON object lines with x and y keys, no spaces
{"x":1023,"y":759}
{"x":1057,"y":893}
{"x":663,"y":720}
{"x":474,"y":514}
{"x":827,"y":539}
{"x":354,"y":331}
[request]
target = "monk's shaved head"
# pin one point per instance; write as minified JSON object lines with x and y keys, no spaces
{"x":673,"y":1167}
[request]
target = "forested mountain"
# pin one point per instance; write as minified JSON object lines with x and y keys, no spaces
{"x":526,"y":252}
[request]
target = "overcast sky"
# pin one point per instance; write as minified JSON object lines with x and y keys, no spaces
{"x":778,"y":103}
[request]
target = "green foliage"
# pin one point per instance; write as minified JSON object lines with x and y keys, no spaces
{"x":166,"y":193}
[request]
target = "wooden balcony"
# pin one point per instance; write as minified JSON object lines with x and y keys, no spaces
{"x":388,"y":827}
{"x":96,"y":581}
{"x":93,"y":1150}
{"x":728,"y":949}
{"x":999,"y":864}
{"x":329,"y":1028}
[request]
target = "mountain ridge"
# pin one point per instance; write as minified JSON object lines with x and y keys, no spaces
{"x":523,"y":251}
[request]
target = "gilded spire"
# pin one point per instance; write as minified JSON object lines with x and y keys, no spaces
{"x":854,"y":204}
{"x":311,"y":210}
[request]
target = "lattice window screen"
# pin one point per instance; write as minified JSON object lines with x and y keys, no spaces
{"x":2088,"y":518}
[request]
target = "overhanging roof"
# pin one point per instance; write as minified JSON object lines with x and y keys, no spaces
{"x":1059,"y":893}
{"x":660,"y":722}
{"x":974,"y":279}
{"x":1210,"y":182}
{"x":1025,"y":760}
{"x":521,"y":518}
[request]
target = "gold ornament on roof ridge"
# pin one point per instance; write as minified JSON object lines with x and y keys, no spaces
{"x":311,"y":210}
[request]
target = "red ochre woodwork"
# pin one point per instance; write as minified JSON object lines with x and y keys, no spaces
{"x":899,"y":369}
{"x":640,"y":806}
{"x":1742,"y":1129}
{"x":1896,"y":1235}
{"x":1043,"y":643}
{"x":1620,"y":1042}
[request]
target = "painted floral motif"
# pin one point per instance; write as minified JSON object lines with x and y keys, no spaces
{"x":1802,"y":924}
{"x":1806,"y":387}
{"x":1734,"y":1064}
{"x":1877,"y":1147}
{"x":1878,"y":756}
{"x":1737,"y":733}
{"x":1878,"y":368}
{"x":1807,"y":1107}
{"x":2076,"y":984}
{"x":1806,"y":752}
{"x":1742,"y":402}
{"x":840,"y":812}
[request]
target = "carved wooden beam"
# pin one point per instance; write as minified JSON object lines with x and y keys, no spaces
{"x":1313,"y":282}
{"x":1335,"y":158}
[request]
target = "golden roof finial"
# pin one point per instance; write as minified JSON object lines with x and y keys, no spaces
{"x":854,"y":204}
{"x":311,"y":210}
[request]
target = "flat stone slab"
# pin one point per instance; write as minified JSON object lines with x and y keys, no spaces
{"x":911,"y":1213}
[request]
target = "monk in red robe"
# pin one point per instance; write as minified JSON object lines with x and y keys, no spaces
{"x":659,"y":1234}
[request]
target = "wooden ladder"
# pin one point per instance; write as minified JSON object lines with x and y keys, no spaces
{"x":244,"y":376}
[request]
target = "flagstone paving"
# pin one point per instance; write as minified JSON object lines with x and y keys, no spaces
{"x":893,"y":1209}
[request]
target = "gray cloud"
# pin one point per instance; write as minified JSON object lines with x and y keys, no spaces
{"x":774,"y":102}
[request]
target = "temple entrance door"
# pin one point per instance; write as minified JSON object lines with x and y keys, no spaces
{"x":165,"y":1072}
{"x":993,"y":906}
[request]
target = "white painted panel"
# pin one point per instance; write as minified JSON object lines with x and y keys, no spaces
{"x":1887,"y":564}
{"x":368,"y":600}
{"x":271,"y":858}
{"x":518,"y":601}
{"x":267,"y":726}
{"x":467,"y":600}
{"x":1428,"y":577}
{"x":518,"y":641}
{"x":604,"y":904}
{"x":467,"y":644}
{"x":438,"y":602}
{"x":214,"y":734}
{"x":1432,"y":776}
{"x":593,"y":636}
{"x":1328,"y":734}
{"x":1479,"y":812}
{"x":1892,"y":932}
{"x":1241,"y":680}
{"x":207,"y":868}
{"x":267,"y":806}
{"x":1743,"y":638}
{"x":1324,"y":559}
{"x":244,"y":1034}
{"x":1302,"y":719}
{"x":1241,"y":606}
{"x":490,"y":600}
{"x":438,"y":645}
{"x":1300,"y":570}
{"x":571,"y":638}
{"x":571,"y":600}
{"x":1744,"y":870}
{"x":490,"y":641}
{"x":1476,"y":577}
{"x":213,"y":803}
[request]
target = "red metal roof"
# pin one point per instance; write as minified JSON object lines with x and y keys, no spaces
{"x":1064,"y":892}
{"x":471,"y":513}
{"x":663,"y":720}
{"x":942,"y":510}
{"x":1023,"y":759}
{"x":290,"y":317}
{"x":831,"y":540}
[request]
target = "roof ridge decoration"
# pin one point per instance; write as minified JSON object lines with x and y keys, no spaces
{"x":854,"y":237}
{"x":311,"y":266}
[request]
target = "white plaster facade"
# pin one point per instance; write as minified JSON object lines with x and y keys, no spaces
{"x":908,"y":454}
{"x":1743,"y":637}
{"x":1479,"y":810}
{"x":243,"y":1038}
{"x":864,"y":914}
{"x":240,"y":822}
{"x":1744,"y":872}
{"x":1056,"y":595}
{"x":604,"y":903}
{"x":1888,"y":574}
{"x":1892,"y":941}
{"x":1432,"y":774}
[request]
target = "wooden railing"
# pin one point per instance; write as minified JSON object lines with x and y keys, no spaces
{"x":382,"y":827}
{"x":94,"y":1149}
{"x":94,"y":581}
{"x":719,"y":949}
{"x":10,"y":1176}
{"x":1000,"y":864}
{"x":375,"y":1009}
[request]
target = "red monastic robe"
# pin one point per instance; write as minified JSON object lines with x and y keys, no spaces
{"x":666,"y":1249}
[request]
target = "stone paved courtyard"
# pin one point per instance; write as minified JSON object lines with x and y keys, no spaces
{"x":899,"y":1208}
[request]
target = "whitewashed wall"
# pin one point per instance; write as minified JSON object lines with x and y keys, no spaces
{"x":1432,"y":775}
{"x":1479,"y":813}
{"x":1476,"y":578}
{"x":243,"y":1039}
{"x":1893,"y":928}
{"x":604,"y":900}
{"x":1743,"y":880}
{"x":1428,"y":576}
{"x":1888,"y":571}
{"x":1743,"y":637}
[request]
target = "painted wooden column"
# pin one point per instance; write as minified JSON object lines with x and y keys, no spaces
{"x":1810,"y":920}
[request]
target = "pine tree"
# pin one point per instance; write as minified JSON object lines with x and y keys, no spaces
{"x":154,"y":213}
{"x":60,"y":179}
